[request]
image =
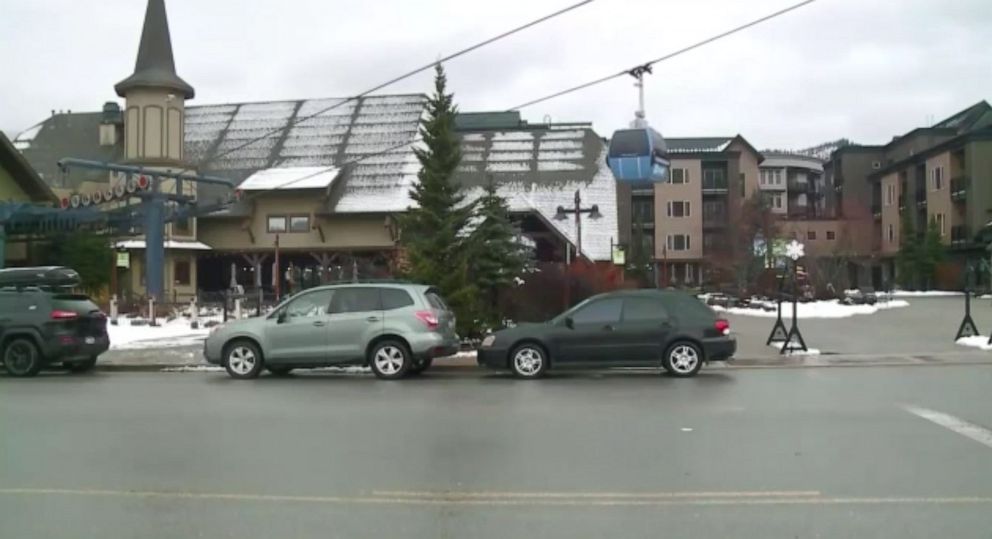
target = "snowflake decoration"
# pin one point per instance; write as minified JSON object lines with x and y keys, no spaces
{"x":795,"y":250}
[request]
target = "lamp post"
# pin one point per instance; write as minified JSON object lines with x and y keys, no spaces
{"x":577,"y":210}
{"x":795,"y":251}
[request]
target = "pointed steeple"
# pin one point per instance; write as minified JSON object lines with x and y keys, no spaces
{"x":155,"y":67}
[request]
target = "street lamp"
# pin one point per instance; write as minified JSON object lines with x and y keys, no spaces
{"x":578,"y":210}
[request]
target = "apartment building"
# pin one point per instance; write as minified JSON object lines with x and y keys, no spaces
{"x":792,"y":184}
{"x":940,"y":174}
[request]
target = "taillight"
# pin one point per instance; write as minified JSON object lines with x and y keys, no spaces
{"x":428,"y":318}
{"x":722,"y":326}
{"x":64,"y":315}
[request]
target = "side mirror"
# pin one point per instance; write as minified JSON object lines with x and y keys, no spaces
{"x":281,"y":318}
{"x":569,"y":323}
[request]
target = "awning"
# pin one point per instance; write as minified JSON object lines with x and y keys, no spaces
{"x":170,"y":244}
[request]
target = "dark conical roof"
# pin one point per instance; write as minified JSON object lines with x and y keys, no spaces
{"x":155,"y":67}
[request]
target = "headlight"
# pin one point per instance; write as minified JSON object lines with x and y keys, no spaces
{"x":488,"y":341}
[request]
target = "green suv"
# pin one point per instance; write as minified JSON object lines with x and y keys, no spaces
{"x":394,"y":328}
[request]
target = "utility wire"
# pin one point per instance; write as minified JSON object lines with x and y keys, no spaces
{"x":667,"y":56}
{"x":558,"y":94}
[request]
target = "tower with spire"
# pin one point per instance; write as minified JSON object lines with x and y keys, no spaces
{"x":155,"y":96}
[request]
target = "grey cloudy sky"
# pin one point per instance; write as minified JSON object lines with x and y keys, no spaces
{"x":861,"y":69}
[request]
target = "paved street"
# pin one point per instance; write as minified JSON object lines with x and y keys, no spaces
{"x":842,"y":452}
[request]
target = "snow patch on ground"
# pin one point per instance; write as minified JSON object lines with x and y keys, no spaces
{"x":977,"y":341}
{"x":194,"y":368}
{"x":178,"y":332}
{"x":816,"y":309}
{"x":796,"y":352}
{"x":924,"y":294}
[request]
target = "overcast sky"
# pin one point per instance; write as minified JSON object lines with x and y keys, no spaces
{"x":861,"y":69}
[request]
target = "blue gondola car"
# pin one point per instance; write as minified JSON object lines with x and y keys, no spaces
{"x":638,"y":156}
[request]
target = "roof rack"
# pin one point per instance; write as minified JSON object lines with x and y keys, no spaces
{"x":42,"y":277}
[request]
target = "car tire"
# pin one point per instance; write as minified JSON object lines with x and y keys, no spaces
{"x":420,"y":366}
{"x":529,"y":360}
{"x":279,"y":370}
{"x":242,"y":360}
{"x":21,"y":357}
{"x":390,"y":360}
{"x":683,"y":359}
{"x":78,"y":367}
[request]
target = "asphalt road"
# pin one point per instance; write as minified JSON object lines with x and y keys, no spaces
{"x":828,"y":452}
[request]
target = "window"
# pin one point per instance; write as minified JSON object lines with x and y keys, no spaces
{"x":629,"y":142}
{"x":181,"y":272}
{"x":892,"y":234}
{"x":936,"y":178}
{"x":435,"y":300}
{"x":831,"y":235}
{"x":643,"y":309}
{"x":355,"y":300}
{"x":299,"y":223}
{"x":890,"y":194}
{"x":642,"y":210}
{"x":310,"y":305}
{"x":678,"y":242}
{"x":394,"y":298}
{"x":678,"y":208}
{"x":714,"y":209}
{"x":680,"y":175}
{"x":606,"y":311}
{"x":940,"y":222}
{"x":276,"y":224}
{"x":743,"y":185}
{"x":714,"y":178}
{"x":182,"y":227}
{"x":811,"y":234}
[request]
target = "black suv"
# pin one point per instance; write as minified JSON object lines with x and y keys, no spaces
{"x":43,"y":322}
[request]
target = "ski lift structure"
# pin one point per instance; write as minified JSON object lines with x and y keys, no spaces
{"x":638,"y":155}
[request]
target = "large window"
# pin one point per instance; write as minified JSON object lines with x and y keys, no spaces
{"x":394,"y":298}
{"x":680,"y":175}
{"x":629,"y":142}
{"x":181,"y":272}
{"x":678,"y":208}
{"x":714,"y":210}
{"x":678,"y":242}
{"x":355,"y":300}
{"x":606,"y":311}
{"x":714,"y":178}
{"x":276,"y":224}
{"x":642,"y":210}
{"x":299,"y":223}
{"x":642,"y":309}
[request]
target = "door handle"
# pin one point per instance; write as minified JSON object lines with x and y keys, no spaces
{"x":372,"y":319}
{"x":319,"y":324}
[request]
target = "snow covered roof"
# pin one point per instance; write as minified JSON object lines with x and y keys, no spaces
{"x":169,"y":244}
{"x":538,"y":169}
{"x":698,"y":144}
{"x":23,"y":140}
{"x":290,"y":178}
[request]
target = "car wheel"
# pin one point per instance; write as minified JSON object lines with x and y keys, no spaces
{"x":529,"y":361}
{"x":420,"y":366}
{"x":21,"y":357}
{"x":390,"y":360}
{"x":82,"y":366}
{"x":279,"y":370}
{"x":243,"y":360}
{"x":683,"y":359}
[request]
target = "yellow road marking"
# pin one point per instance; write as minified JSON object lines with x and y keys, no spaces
{"x":788,"y":499}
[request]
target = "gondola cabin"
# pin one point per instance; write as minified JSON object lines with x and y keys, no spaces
{"x":638,"y":156}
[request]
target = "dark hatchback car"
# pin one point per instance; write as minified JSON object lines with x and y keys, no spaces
{"x":663,"y":328}
{"x":43,"y":322}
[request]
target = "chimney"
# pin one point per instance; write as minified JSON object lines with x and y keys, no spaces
{"x":111,"y":124}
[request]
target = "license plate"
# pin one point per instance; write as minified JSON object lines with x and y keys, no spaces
{"x":89,"y":340}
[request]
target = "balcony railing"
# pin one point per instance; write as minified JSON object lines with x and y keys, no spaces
{"x":921,"y":198}
{"x":959,"y":187}
{"x":876,"y":210}
{"x":714,"y":186}
{"x":960,"y":236}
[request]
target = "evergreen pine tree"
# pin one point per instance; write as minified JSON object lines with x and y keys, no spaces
{"x":931,"y":253}
{"x":433,"y":231}
{"x":907,"y":260}
{"x":498,"y":258}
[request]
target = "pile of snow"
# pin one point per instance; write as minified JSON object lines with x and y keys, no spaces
{"x":924,"y":294}
{"x":178,"y":332}
{"x":977,"y":341}
{"x":816,"y":309}
{"x":795,"y":351}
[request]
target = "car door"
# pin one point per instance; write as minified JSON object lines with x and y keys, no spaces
{"x":356,"y":318}
{"x":592,"y":336}
{"x":298,"y":332}
{"x":644,"y":329}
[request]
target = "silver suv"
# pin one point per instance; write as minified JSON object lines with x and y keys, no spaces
{"x":396,"y":329}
